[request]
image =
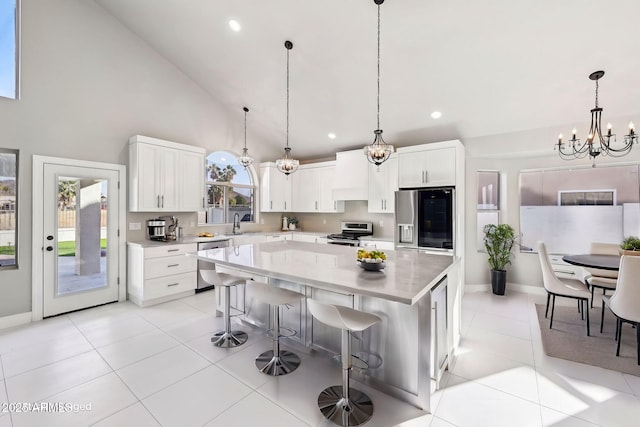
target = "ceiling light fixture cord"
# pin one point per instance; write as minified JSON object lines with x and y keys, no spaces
{"x":288,"y":49}
{"x":287,"y":165}
{"x":378,"y":65}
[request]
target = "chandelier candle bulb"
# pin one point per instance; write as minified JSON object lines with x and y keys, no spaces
{"x":631,"y":129}
{"x":608,"y":129}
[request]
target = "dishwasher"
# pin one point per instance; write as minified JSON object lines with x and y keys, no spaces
{"x":205,"y":265}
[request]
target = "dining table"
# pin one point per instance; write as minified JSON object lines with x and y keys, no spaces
{"x":603,"y":262}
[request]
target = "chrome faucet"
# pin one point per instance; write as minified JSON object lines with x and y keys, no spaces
{"x":236,"y":223}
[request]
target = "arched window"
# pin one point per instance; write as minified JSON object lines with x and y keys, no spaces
{"x":230,"y":189}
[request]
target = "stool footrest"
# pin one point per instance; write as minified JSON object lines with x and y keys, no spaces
{"x":289,"y":333}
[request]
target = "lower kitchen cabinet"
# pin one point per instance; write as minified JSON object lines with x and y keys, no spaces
{"x":160,"y":273}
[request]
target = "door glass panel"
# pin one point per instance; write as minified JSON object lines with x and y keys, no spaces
{"x":82,"y":235}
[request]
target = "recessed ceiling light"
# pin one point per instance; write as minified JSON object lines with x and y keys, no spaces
{"x":436,"y":115}
{"x":235,"y":25}
{"x":332,"y":135}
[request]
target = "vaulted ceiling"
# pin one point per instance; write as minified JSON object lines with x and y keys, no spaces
{"x":490,"y":67}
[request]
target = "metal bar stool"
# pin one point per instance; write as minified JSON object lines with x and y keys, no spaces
{"x":276,"y":362}
{"x":223,"y":281}
{"x":341,"y":404}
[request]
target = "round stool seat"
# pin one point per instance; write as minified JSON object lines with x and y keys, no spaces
{"x":342,"y":317}
{"x":226,"y":338}
{"x":221,"y":279}
{"x":276,"y":362}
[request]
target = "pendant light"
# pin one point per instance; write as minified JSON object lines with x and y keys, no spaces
{"x":287,"y":164}
{"x":245,"y":160}
{"x":379,"y":151}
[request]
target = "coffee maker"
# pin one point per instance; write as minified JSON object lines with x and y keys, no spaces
{"x":171,"y":227}
{"x":157,"y":229}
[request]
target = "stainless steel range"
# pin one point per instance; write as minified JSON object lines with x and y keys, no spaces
{"x":350,"y":233}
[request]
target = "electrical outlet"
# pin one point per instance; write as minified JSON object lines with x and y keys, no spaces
{"x":324,"y":221}
{"x":135,"y":226}
{"x":381,"y":223}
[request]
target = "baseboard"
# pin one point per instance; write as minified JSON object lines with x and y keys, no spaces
{"x":527,"y":289}
{"x":15,"y":320}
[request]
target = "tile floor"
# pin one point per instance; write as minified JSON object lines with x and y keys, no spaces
{"x":156,"y":367}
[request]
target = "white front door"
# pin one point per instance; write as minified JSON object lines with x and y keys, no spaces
{"x":80,"y":242}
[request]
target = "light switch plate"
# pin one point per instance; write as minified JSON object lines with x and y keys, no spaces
{"x":381,"y":223}
{"x":135,"y":226}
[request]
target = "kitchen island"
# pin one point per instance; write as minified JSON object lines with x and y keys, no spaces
{"x":417,"y":295}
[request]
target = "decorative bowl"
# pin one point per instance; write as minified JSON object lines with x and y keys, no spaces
{"x":371,"y":266}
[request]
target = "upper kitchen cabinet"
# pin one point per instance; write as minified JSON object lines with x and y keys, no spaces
{"x":313,"y":189}
{"x":351,"y":175}
{"x":165,"y":176}
{"x":429,"y":165}
{"x":275,"y":189}
{"x":383,"y":183}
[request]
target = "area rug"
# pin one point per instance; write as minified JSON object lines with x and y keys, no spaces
{"x":568,"y":339}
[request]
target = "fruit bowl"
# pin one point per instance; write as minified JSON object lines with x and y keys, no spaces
{"x":371,"y":261}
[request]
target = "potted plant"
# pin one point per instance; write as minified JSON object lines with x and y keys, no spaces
{"x":293,"y":222}
{"x":630,"y":246}
{"x":498,"y":241}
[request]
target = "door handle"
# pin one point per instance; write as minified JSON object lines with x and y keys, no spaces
{"x":49,"y":248}
{"x":173,"y":284}
{"x":381,"y":204}
{"x":335,"y":205}
{"x":203,"y":203}
{"x":173,"y":265}
{"x":316,"y":205}
{"x":173,"y":250}
{"x":426,"y":176}
{"x":162,"y":202}
{"x":270,"y":204}
{"x":285,"y":205}
{"x":158,"y":203}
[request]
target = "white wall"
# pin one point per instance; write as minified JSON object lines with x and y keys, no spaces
{"x":509,"y":154}
{"x":88,"y":84}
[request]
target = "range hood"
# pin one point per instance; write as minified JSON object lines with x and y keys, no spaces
{"x":351,"y":180}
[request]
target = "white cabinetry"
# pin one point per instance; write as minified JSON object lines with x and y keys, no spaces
{"x":275,"y":189}
{"x":160,"y":273}
{"x":312,"y":191}
{"x":429,"y":165}
{"x":351,"y":175}
{"x":165,"y":176}
{"x":383,"y":183}
{"x":309,"y":238}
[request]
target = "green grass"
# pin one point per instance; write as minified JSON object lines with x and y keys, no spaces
{"x":7,"y":250}
{"x":69,"y":248}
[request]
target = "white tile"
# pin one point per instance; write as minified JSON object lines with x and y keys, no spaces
{"x":3,"y":394}
{"x":203,"y":345}
{"x":1,"y":369}
{"x":439,"y":422}
{"x":5,"y":420}
{"x":87,"y":319}
{"x":473,"y":404}
{"x":497,"y":372}
{"x":551,"y":418}
{"x":161,"y":370}
{"x":241,"y":364}
{"x":634,"y":383}
{"x":170,"y":313}
{"x":43,"y":353}
{"x":130,"y":350}
{"x":504,"y":346}
{"x":135,"y":415}
{"x":19,"y":337}
{"x":500,"y":325}
{"x":203,"y":301}
{"x":48,"y":380}
{"x":256,"y":410}
{"x":196,"y":399}
{"x":100,"y":398}
{"x":195,"y":327}
{"x":107,"y":330}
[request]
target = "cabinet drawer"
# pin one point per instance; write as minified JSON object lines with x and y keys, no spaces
{"x":170,"y":250}
{"x":163,"y":286}
{"x":167,"y":266}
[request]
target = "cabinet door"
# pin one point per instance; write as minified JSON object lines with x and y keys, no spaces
{"x":148,"y":163}
{"x":169,"y":179}
{"x":305,"y":191}
{"x":383,"y":183}
{"x":411,"y":169}
{"x":275,"y":190}
{"x":326,"y":202}
{"x":191,"y":176}
{"x":440,"y":167}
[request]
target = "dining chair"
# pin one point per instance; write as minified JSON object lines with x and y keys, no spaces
{"x":567,"y":288}
{"x":625,"y":301}
{"x":599,"y":278}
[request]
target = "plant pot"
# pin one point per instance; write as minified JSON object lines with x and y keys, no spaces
{"x":498,"y":281}
{"x":628,"y":252}
{"x":292,"y":227}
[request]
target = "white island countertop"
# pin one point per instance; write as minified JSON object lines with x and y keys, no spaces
{"x":406,"y":278}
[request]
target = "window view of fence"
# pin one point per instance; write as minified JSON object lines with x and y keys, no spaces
{"x":8,"y":207}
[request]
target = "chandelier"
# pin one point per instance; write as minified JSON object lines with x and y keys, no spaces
{"x":245,"y":160}
{"x":595,"y":143}
{"x":379,"y":151}
{"x":287,"y":164}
